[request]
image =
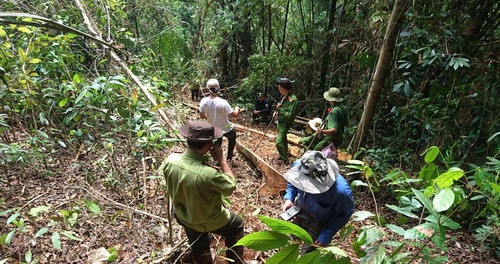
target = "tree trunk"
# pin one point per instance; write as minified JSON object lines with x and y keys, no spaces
{"x":325,"y":57}
{"x":269,"y":28}
{"x":381,"y":71}
{"x":284,"y":27}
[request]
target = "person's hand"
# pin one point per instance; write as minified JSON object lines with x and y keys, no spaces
{"x":237,"y":109}
{"x":287,"y":204}
{"x":278,"y":106}
{"x":319,"y":244}
{"x":319,"y":132}
{"x":275,"y":114}
{"x":216,"y":153}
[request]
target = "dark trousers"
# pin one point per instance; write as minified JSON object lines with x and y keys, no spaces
{"x":195,"y":94}
{"x":200,"y":241}
{"x":264,"y":117}
{"x":282,"y":141}
{"x":311,"y":225}
{"x":231,"y":137}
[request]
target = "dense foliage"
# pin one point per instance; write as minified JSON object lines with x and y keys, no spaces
{"x":60,"y":91}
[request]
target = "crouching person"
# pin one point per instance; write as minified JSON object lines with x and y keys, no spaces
{"x":322,"y":195}
{"x":196,"y":191}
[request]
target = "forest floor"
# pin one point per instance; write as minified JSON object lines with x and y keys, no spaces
{"x":131,"y":214}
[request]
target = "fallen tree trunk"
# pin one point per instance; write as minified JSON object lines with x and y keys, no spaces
{"x":274,"y":182}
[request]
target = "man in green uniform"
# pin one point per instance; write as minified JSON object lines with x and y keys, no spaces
{"x":196,"y":191}
{"x":287,"y":109}
{"x":332,"y":130}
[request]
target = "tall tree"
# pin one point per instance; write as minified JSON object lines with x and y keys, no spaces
{"x":325,"y":58}
{"x":381,"y":71}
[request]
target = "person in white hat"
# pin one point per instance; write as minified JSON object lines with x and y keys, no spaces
{"x":217,"y":111}
{"x":332,"y":131}
{"x":322,"y":195}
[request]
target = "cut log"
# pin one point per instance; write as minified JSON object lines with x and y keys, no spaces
{"x":274,"y":182}
{"x":255,"y":131}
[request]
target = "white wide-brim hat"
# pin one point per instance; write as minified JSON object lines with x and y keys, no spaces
{"x":314,"y":174}
{"x":315,"y":123}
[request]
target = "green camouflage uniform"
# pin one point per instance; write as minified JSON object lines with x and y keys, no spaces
{"x":286,"y":116}
{"x":336,"y":118}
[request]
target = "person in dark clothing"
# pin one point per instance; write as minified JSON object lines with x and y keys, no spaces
{"x":261,"y":109}
{"x":323,"y":197}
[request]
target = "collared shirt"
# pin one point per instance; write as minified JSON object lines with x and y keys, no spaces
{"x":337,"y":119}
{"x":333,"y":207}
{"x":288,"y":109}
{"x":217,"y":111}
{"x":196,"y":191}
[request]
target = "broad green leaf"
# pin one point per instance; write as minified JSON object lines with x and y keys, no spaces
{"x":443,"y":200}
{"x":396,"y":229}
{"x":13,"y":217}
{"x":63,"y":102}
{"x":70,"y":235}
{"x":43,"y":134}
{"x":41,"y":232}
{"x":428,"y":172}
{"x":413,"y":233}
{"x":22,"y":55}
{"x":439,"y":241}
{"x":282,"y":226}
{"x":402,"y":211}
{"x":493,"y":136}
{"x":35,"y":60}
{"x":36,"y":210}
{"x":329,"y":258}
{"x":263,"y":240}
{"x":157,"y":107}
{"x":362,"y":215}
{"x":56,"y":240}
{"x":114,"y":254}
{"x":28,"y":256}
{"x":94,"y":208}
{"x":495,"y":187}
{"x":375,"y":255}
{"x":310,"y":258}
{"x":81,"y":95}
{"x":24,"y":29}
{"x":448,"y":223}
{"x":2,"y":33}
{"x":372,"y":234}
{"x":356,"y":162}
{"x":357,"y":183}
{"x":446,"y":179}
{"x":431,"y":154}
{"x":77,"y":78}
{"x":3,"y":213}
{"x":71,"y":220}
{"x":424,"y":200}
{"x":287,"y":255}
{"x":335,"y":250}
{"x":9,"y":237}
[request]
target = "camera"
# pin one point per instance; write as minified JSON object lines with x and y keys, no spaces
{"x":291,"y":212}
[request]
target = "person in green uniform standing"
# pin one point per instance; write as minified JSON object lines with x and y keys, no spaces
{"x":197,"y":191}
{"x":287,"y":109}
{"x":332,"y":130}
